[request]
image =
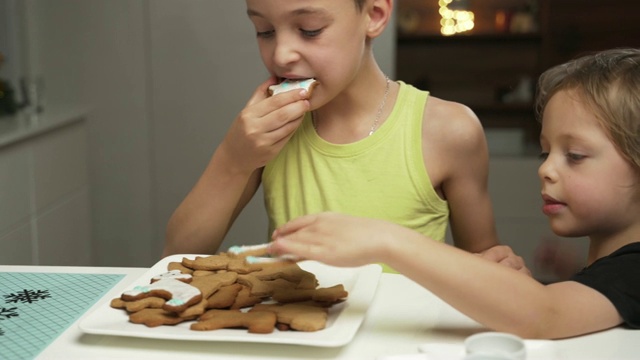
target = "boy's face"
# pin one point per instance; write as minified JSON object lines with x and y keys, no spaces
{"x":587,"y":186}
{"x":323,"y":39}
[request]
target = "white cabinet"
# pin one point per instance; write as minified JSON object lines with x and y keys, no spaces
{"x":45,"y":214}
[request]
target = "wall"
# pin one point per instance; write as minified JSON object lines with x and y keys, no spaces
{"x":93,"y":53}
{"x":575,"y":27}
{"x":161,"y":80}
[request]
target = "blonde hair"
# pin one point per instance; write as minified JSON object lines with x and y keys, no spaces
{"x":609,"y":84}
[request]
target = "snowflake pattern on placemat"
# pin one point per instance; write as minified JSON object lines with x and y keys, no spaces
{"x":6,"y":313}
{"x":27,"y":296}
{"x":53,"y":301}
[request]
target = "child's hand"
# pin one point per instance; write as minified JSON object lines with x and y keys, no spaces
{"x":504,"y":255}
{"x":331,"y":238}
{"x":264,"y":126}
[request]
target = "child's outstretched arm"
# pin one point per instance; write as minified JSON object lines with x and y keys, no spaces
{"x":494,"y":295}
{"x":232,"y":176}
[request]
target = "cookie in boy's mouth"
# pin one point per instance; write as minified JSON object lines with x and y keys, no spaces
{"x":293,"y":84}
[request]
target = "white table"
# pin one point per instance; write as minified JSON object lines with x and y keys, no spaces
{"x":402,"y":316}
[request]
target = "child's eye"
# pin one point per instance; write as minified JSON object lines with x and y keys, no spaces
{"x":311,"y":33}
{"x":265,"y":34}
{"x":573,"y":157}
{"x":543,"y":156}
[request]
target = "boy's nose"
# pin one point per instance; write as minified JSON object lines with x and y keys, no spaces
{"x":546,"y":171}
{"x":285,"y":53}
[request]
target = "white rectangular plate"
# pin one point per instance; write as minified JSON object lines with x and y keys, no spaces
{"x":343,"y":323}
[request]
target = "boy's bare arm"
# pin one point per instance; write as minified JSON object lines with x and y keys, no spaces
{"x":457,"y":160}
{"x":199,"y":224}
{"x":232,"y":176}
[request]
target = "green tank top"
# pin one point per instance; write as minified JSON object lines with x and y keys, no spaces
{"x":382,"y":176}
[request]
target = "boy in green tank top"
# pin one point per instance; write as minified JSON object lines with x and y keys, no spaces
{"x":331,"y":41}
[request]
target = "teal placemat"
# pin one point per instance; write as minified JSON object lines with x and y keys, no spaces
{"x":35,"y":308}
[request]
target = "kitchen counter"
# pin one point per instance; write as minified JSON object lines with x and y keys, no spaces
{"x":20,"y":127}
{"x":402,"y":316}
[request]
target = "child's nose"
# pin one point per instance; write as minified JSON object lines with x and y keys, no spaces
{"x":546,"y":171}
{"x":285,"y":53}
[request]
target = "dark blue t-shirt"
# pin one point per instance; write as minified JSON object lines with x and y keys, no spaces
{"x":617,"y":277}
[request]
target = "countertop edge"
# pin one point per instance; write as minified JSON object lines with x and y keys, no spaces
{"x":20,"y":128}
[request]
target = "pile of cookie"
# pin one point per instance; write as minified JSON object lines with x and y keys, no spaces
{"x":226,"y":291}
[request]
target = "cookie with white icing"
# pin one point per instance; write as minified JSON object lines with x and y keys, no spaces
{"x":169,"y":286}
{"x":289,"y":84}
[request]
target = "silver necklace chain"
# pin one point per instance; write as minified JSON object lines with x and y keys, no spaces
{"x":374,"y":127}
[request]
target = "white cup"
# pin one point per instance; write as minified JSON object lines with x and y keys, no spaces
{"x":494,"y":346}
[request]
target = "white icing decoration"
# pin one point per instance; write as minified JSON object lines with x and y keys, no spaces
{"x":173,"y":274}
{"x":291,"y":85}
{"x":236,"y":250}
{"x":142,"y":289}
{"x":175,"y":302}
{"x":181,"y":292}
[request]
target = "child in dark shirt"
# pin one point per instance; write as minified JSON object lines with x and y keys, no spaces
{"x":590,"y":178}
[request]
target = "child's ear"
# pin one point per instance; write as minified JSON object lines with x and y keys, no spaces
{"x":379,"y":12}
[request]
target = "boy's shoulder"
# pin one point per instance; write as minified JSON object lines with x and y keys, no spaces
{"x":439,"y":110}
{"x":451,"y":124}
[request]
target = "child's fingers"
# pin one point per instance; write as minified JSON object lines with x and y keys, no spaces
{"x":294,"y":225}
{"x":261,"y":91}
{"x":279,"y":115}
{"x":504,"y":255}
{"x":283,"y":118}
{"x":294,"y":245}
{"x":291,"y":238}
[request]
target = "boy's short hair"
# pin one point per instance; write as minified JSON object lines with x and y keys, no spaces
{"x":359,"y":4}
{"x":608,"y":83}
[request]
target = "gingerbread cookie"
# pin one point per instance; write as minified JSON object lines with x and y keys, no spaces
{"x":290,"y":272}
{"x":224,"y":297}
{"x":137,"y":305}
{"x":258,"y":322}
{"x":301,"y":317}
{"x":328,"y":295}
{"x":179,"y":295}
{"x":213,"y":262}
{"x":293,"y":84}
{"x":155,"y":317}
{"x":175,"y":265}
{"x":173,"y":274}
{"x":244,"y":299}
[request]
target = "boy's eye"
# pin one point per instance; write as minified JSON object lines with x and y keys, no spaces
{"x":311,"y":33}
{"x":265,"y":34}
{"x":543,"y":156}
{"x":575,"y":157}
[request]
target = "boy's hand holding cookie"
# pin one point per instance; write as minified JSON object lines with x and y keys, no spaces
{"x":263,"y":127}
